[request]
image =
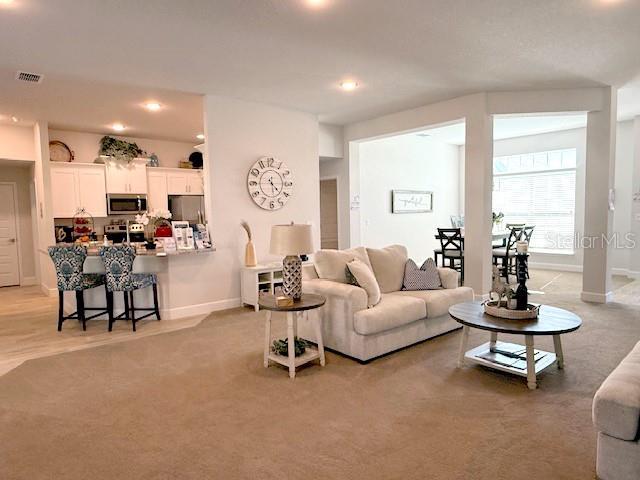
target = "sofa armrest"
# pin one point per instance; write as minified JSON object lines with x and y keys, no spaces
{"x":448,"y":277}
{"x":336,"y":292}
{"x":616,"y":405}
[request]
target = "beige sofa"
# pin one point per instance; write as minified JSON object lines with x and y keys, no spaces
{"x":402,"y":318}
{"x":616,"y":416}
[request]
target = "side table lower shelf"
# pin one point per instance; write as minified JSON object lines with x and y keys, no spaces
{"x":310,"y":354}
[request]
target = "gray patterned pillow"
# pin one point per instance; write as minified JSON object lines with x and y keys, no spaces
{"x":424,"y":278}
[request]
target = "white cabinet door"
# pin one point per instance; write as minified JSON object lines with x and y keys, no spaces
{"x":137,"y":176}
{"x":92,"y":193}
{"x":157,"y":195}
{"x":177,"y":183}
{"x":195,"y":185}
{"x":64,"y":191}
{"x":117,"y":176}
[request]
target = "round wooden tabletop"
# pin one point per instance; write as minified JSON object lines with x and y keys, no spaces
{"x":550,"y":321}
{"x":309,"y":301}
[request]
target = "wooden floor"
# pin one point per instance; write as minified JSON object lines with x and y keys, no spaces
{"x":28,"y":322}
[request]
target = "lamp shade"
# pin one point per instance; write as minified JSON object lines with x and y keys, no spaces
{"x":292,"y":239}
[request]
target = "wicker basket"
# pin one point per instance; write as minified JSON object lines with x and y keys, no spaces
{"x":496,"y":309}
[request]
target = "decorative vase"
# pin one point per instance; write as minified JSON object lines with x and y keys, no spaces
{"x":292,"y":277}
{"x":250,"y":255}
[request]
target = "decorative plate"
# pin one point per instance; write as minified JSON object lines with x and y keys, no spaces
{"x":59,"y":152}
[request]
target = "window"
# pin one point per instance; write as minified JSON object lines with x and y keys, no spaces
{"x":539,"y":189}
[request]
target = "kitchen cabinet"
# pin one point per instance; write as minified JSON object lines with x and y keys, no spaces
{"x":157,"y":194}
{"x":185,"y":182}
{"x":75,"y":186}
{"x":127,"y":177}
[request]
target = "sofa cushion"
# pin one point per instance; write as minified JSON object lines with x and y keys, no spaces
{"x":330,"y":264}
{"x":392,"y":311}
{"x":616,"y":406}
{"x":364,"y":278}
{"x":388,"y":266}
{"x":424,"y":278}
{"x":437,"y":302}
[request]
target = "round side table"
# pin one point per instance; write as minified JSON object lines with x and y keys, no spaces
{"x":302,"y":307}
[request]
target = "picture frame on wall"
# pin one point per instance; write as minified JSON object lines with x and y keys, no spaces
{"x":411,"y":201}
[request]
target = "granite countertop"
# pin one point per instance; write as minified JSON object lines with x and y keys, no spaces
{"x":92,"y":251}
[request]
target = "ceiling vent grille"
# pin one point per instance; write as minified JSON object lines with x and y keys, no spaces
{"x":29,"y":77}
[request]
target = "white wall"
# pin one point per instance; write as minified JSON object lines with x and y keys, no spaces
{"x":238,"y":133}
{"x":85,"y":146}
{"x":407,"y":162}
{"x":330,"y":141}
{"x":22,"y":176}
{"x":16,"y":143}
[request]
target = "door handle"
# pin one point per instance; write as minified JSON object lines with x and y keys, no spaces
{"x":12,"y":240}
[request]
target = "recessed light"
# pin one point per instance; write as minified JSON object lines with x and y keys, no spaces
{"x":14,"y":119}
{"x":348,"y":85}
{"x":118,"y":127}
{"x":200,"y":136}
{"x":152,"y":106}
{"x":316,"y":3}
{"x":6,"y":2}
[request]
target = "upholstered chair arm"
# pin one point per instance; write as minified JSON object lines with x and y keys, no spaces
{"x":449,"y":277}
{"x":343,"y":301}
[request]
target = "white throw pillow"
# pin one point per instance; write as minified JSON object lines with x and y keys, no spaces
{"x":365,"y":279}
{"x":388,"y":266}
{"x":331,"y":264}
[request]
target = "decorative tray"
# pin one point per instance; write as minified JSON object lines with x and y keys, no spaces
{"x":499,"y":309}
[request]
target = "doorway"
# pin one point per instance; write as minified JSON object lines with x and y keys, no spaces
{"x":9,"y":267}
{"x":329,"y":213}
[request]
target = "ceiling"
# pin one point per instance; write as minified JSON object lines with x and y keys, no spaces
{"x":404,"y":53}
{"x":509,"y":127}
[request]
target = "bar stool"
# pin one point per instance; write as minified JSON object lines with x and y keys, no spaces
{"x":68,"y":262}
{"x":118,"y":264}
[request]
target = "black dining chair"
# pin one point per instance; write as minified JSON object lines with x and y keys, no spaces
{"x":507,"y":254}
{"x":452,"y":249}
{"x":527,"y":233}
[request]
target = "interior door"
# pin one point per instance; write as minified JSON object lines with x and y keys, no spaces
{"x":9,"y":269}
{"x":329,"y":213}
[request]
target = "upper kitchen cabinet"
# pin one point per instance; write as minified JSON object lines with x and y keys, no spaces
{"x":157,"y":196}
{"x":75,"y":186}
{"x":184,"y":182}
{"x":123,"y":177}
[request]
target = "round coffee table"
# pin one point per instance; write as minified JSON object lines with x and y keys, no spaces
{"x":510,"y":357}
{"x":307,"y":302}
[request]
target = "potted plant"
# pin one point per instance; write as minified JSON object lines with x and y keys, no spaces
{"x":120,"y":150}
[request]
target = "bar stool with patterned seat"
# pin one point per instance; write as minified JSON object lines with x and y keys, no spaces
{"x":69,"y":262}
{"x":118,"y":264}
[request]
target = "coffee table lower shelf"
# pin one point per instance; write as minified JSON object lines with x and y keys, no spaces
{"x":483,"y":355}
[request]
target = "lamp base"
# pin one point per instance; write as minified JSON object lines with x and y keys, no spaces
{"x":292,"y":277}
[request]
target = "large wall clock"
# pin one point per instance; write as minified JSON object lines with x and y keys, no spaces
{"x":270,"y":183}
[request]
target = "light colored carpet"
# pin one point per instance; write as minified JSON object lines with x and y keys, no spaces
{"x":197,"y":403}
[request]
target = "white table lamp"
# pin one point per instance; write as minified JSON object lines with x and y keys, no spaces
{"x":291,"y":241}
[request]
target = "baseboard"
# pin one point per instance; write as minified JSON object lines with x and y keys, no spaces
{"x":49,"y":292}
{"x":200,"y":309}
{"x":28,"y":281}
{"x":594,"y":297}
{"x":560,"y":267}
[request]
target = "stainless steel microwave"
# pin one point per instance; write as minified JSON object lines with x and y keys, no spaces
{"x":126,"y":204}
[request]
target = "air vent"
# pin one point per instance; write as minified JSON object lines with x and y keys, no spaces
{"x":29,"y":77}
{"x":423,"y":134}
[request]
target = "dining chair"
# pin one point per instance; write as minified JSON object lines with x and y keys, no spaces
{"x":118,"y":264}
{"x":507,"y":254}
{"x":527,"y":233}
{"x":68,"y":261}
{"x":452,"y":249}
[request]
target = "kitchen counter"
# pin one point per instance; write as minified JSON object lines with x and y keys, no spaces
{"x":182,"y":292}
